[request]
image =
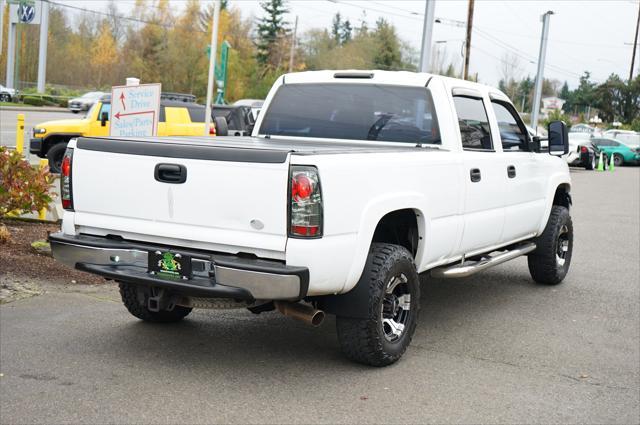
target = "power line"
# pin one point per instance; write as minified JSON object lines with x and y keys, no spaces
{"x":126,"y":18}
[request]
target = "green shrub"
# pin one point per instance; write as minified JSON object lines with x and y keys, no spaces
{"x":33,"y":100}
{"x":23,"y":188}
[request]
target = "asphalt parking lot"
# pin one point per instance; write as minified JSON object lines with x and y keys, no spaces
{"x":492,"y":348}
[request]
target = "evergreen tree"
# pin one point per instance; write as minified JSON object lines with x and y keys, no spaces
{"x":336,"y":29}
{"x":346,"y":32}
{"x":271,"y":28}
{"x":388,"y":53}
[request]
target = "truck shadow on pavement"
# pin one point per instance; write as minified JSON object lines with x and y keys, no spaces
{"x":241,"y":341}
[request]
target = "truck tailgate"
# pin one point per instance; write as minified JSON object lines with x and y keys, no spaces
{"x":233,"y":200}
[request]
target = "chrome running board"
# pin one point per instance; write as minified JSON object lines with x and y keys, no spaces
{"x":469,"y":268}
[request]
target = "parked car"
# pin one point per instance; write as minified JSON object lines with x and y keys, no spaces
{"x":352,"y":184}
{"x":177,"y":118}
{"x":7,"y":94}
{"x":621,"y":152}
{"x":629,"y":138}
{"x":254,"y":104}
{"x":581,"y":151}
{"x":239,"y":118}
{"x":84,"y":102}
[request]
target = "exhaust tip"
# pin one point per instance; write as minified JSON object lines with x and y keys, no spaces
{"x":317,"y":318}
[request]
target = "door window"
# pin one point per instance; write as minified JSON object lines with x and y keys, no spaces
{"x":106,"y":107}
{"x":474,"y":123}
{"x":512,"y":132}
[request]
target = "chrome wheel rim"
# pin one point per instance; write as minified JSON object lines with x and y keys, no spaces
{"x":562,"y":246}
{"x":396,"y":308}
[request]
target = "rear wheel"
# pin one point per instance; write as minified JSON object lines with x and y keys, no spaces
{"x":394,"y":301}
{"x":591,"y":165}
{"x":55,"y":154}
{"x":550,"y":262}
{"x":5,"y":97}
{"x":136,"y":301}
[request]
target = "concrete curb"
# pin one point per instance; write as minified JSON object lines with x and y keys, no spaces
{"x":35,"y":108}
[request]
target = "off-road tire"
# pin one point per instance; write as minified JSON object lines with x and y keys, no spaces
{"x":363,"y":340}
{"x":138,"y":308}
{"x":544,"y":265}
{"x":591,"y":164}
{"x":618,"y":160}
{"x":55,"y":155}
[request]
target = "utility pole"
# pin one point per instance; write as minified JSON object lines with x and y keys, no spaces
{"x":212,"y":65}
{"x":293,"y":45}
{"x":1,"y":22}
{"x":635,"y":46}
{"x":427,"y":35}
{"x":42,"y":49}
{"x":467,"y":45}
{"x":535,"y":109}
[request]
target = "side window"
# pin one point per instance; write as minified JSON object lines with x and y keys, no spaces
{"x":106,"y":107}
{"x":512,"y":132}
{"x":614,"y":144}
{"x":474,"y":124}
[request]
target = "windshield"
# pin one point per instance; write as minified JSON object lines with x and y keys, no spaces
{"x":353,"y":111}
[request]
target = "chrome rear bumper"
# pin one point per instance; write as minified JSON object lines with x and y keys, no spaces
{"x":214,"y":275}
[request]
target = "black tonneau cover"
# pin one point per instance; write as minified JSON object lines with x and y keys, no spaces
{"x":231,"y":148}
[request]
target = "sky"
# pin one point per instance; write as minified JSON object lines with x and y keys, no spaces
{"x":593,"y":35}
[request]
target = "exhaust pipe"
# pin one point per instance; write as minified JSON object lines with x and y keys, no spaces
{"x":303,"y":312}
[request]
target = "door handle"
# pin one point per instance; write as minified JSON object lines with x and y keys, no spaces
{"x":170,"y":173}
{"x":511,"y":171}
{"x":475,"y":175}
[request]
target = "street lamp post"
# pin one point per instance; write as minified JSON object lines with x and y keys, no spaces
{"x":535,"y":112}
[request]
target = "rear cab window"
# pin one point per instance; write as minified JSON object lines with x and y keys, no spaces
{"x":475,"y":131}
{"x":368,"y":112}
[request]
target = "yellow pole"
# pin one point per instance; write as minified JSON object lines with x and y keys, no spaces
{"x":20,"y":133}
{"x":42,"y":214}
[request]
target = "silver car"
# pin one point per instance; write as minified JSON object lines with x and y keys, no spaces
{"x":84,"y":102}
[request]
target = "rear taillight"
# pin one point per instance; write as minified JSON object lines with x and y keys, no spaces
{"x":66,"y":192}
{"x":305,"y":202}
{"x":583,"y":149}
{"x":212,"y":130}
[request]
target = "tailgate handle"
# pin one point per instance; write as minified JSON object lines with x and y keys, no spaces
{"x":170,"y":173}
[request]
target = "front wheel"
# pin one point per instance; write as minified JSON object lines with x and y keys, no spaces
{"x":550,"y":262}
{"x":618,"y":160}
{"x":394,"y":301}
{"x":55,"y":155}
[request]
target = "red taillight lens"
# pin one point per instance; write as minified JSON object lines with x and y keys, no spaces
{"x":583,"y":149}
{"x":301,"y":187}
{"x":212,"y":130}
{"x":66,"y":193}
{"x":305,"y":202}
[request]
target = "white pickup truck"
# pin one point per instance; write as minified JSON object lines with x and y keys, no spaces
{"x":352,"y":184}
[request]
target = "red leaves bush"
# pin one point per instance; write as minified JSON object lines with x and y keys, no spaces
{"x":23,"y":188}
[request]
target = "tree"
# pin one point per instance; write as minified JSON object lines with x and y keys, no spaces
{"x":346,"y":32}
{"x":618,"y":100}
{"x":388,"y":55}
{"x":584,"y":95}
{"x":271,"y":28}
{"x":104,"y":54}
{"x":336,"y":29}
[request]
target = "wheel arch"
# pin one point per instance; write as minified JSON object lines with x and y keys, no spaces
{"x":559,"y":194}
{"x":381,"y":213}
{"x":54,"y":139}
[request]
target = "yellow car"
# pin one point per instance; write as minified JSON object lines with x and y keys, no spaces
{"x":181,"y":117}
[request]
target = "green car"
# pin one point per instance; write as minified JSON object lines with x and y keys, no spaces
{"x":622,"y":153}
